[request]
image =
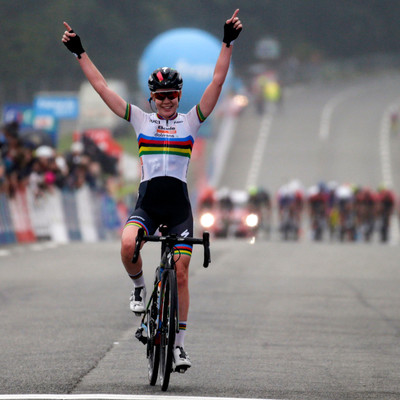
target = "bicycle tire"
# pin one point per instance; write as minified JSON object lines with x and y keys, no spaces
{"x":168,"y":315}
{"x":153,"y":341}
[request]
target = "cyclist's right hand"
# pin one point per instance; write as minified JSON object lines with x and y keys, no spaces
{"x":72,"y":41}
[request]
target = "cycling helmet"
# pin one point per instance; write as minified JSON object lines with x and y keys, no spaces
{"x":165,"y":78}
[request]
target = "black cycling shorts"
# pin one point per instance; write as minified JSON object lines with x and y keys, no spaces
{"x":163,"y":201}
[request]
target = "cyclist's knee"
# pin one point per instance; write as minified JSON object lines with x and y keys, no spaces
{"x":182,"y":270}
{"x":128,"y":239}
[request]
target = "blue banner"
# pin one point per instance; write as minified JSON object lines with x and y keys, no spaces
{"x":62,"y":107}
{"x":21,"y":113}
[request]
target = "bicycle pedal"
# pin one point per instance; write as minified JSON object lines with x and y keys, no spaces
{"x":139,"y":336}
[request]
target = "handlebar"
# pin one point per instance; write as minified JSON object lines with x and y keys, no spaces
{"x":172,"y":240}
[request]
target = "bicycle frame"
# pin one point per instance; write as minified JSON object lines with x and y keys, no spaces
{"x":160,"y":319}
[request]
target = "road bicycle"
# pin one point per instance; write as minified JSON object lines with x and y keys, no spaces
{"x":289,"y":226}
{"x":160,"y":322}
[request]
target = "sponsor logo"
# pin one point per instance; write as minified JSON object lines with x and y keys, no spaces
{"x":185,"y":233}
{"x":166,"y":130}
{"x":162,"y":135}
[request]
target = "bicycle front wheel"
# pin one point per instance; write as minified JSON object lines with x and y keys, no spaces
{"x":153,"y":341}
{"x":169,"y":321}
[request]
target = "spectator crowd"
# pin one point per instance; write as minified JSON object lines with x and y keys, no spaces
{"x":28,"y":162}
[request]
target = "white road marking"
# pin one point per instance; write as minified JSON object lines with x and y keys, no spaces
{"x":259,"y":149}
{"x":31,"y":247}
{"x":110,"y":397}
{"x":329,"y":108}
{"x":384,"y":146}
{"x":222,"y":147}
{"x":4,"y":253}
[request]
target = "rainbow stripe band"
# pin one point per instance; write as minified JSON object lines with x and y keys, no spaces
{"x":128,"y":112}
{"x":200,"y":115}
{"x":183,"y":249}
{"x":182,"y":326}
{"x":138,"y":223}
{"x":178,"y":146}
{"x":137,"y":276}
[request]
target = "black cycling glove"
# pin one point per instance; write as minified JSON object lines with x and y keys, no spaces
{"x":230,"y":33}
{"x":74,"y":45}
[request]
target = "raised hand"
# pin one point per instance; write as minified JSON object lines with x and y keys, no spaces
{"x":232,"y":28}
{"x":72,"y":41}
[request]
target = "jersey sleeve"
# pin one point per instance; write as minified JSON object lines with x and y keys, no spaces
{"x":195,"y":118}
{"x":200,"y":115}
{"x":135,"y":116}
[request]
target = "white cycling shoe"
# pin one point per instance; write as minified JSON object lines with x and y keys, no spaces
{"x":137,"y":301}
{"x":181,"y":360}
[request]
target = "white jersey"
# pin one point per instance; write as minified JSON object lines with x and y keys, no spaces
{"x":165,"y":146}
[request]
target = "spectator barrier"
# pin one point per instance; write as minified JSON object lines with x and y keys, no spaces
{"x":60,"y":216}
{"x":7,"y":232}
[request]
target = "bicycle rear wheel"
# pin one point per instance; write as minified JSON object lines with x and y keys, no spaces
{"x":153,"y":341}
{"x":169,"y":320}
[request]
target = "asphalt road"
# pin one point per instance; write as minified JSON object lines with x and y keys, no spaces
{"x":268,"y":320}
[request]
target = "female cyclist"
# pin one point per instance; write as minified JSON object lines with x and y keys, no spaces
{"x":165,"y":140}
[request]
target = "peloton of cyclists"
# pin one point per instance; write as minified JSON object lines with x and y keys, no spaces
{"x":349,"y":212}
{"x":361,"y":211}
{"x":343,"y":212}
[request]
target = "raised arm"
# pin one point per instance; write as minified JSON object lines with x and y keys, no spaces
{"x":116,"y":103}
{"x":232,"y":28}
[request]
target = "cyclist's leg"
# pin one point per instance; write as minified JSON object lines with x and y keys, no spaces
{"x":182,"y":260}
{"x":182,"y":277}
{"x":182,"y":257}
{"x":127,"y":249}
{"x":181,"y":358}
{"x":139,"y":219}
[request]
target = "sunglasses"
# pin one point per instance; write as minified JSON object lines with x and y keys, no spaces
{"x":166,"y":95}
